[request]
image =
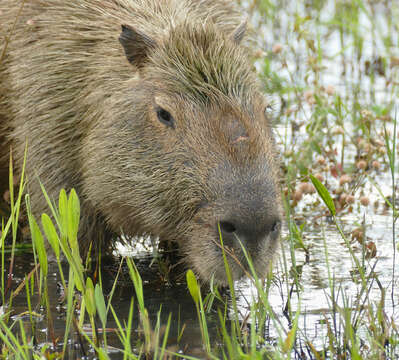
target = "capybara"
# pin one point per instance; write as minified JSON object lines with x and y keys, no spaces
{"x":152,"y":111}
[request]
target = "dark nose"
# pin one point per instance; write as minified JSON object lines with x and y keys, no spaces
{"x":248,"y":209}
{"x":250,"y":230}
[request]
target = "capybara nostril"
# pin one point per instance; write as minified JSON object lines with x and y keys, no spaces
{"x":227,"y":227}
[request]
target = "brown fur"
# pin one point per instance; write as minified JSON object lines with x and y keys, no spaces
{"x":90,"y":119}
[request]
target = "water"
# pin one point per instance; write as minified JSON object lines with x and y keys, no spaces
{"x":170,"y":298}
{"x":346,"y":71}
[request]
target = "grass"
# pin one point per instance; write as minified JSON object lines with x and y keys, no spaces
{"x":331,"y":69}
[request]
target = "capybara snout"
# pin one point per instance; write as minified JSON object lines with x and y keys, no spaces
{"x":152,"y":111}
{"x":243,"y":212}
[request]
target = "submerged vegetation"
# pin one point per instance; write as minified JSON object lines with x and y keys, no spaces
{"x":331,"y":69}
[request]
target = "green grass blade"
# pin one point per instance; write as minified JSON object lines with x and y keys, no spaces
{"x":324,"y":194}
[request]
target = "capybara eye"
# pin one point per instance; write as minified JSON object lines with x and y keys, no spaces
{"x":165,"y":118}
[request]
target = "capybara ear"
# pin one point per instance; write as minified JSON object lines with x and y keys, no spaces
{"x":239,"y":32}
{"x":136,"y":45}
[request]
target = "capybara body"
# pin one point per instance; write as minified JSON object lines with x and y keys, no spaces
{"x":151,"y":110}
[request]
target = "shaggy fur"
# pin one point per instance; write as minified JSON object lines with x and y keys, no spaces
{"x":87,"y":105}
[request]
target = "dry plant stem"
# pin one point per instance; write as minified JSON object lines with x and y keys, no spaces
{"x":27,"y":278}
{"x":13,"y":226}
{"x":394,"y":215}
{"x":7,"y":39}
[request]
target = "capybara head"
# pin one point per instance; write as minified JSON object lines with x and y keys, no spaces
{"x":187,"y":153}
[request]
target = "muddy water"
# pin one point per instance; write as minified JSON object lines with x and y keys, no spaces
{"x":159,"y":297}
